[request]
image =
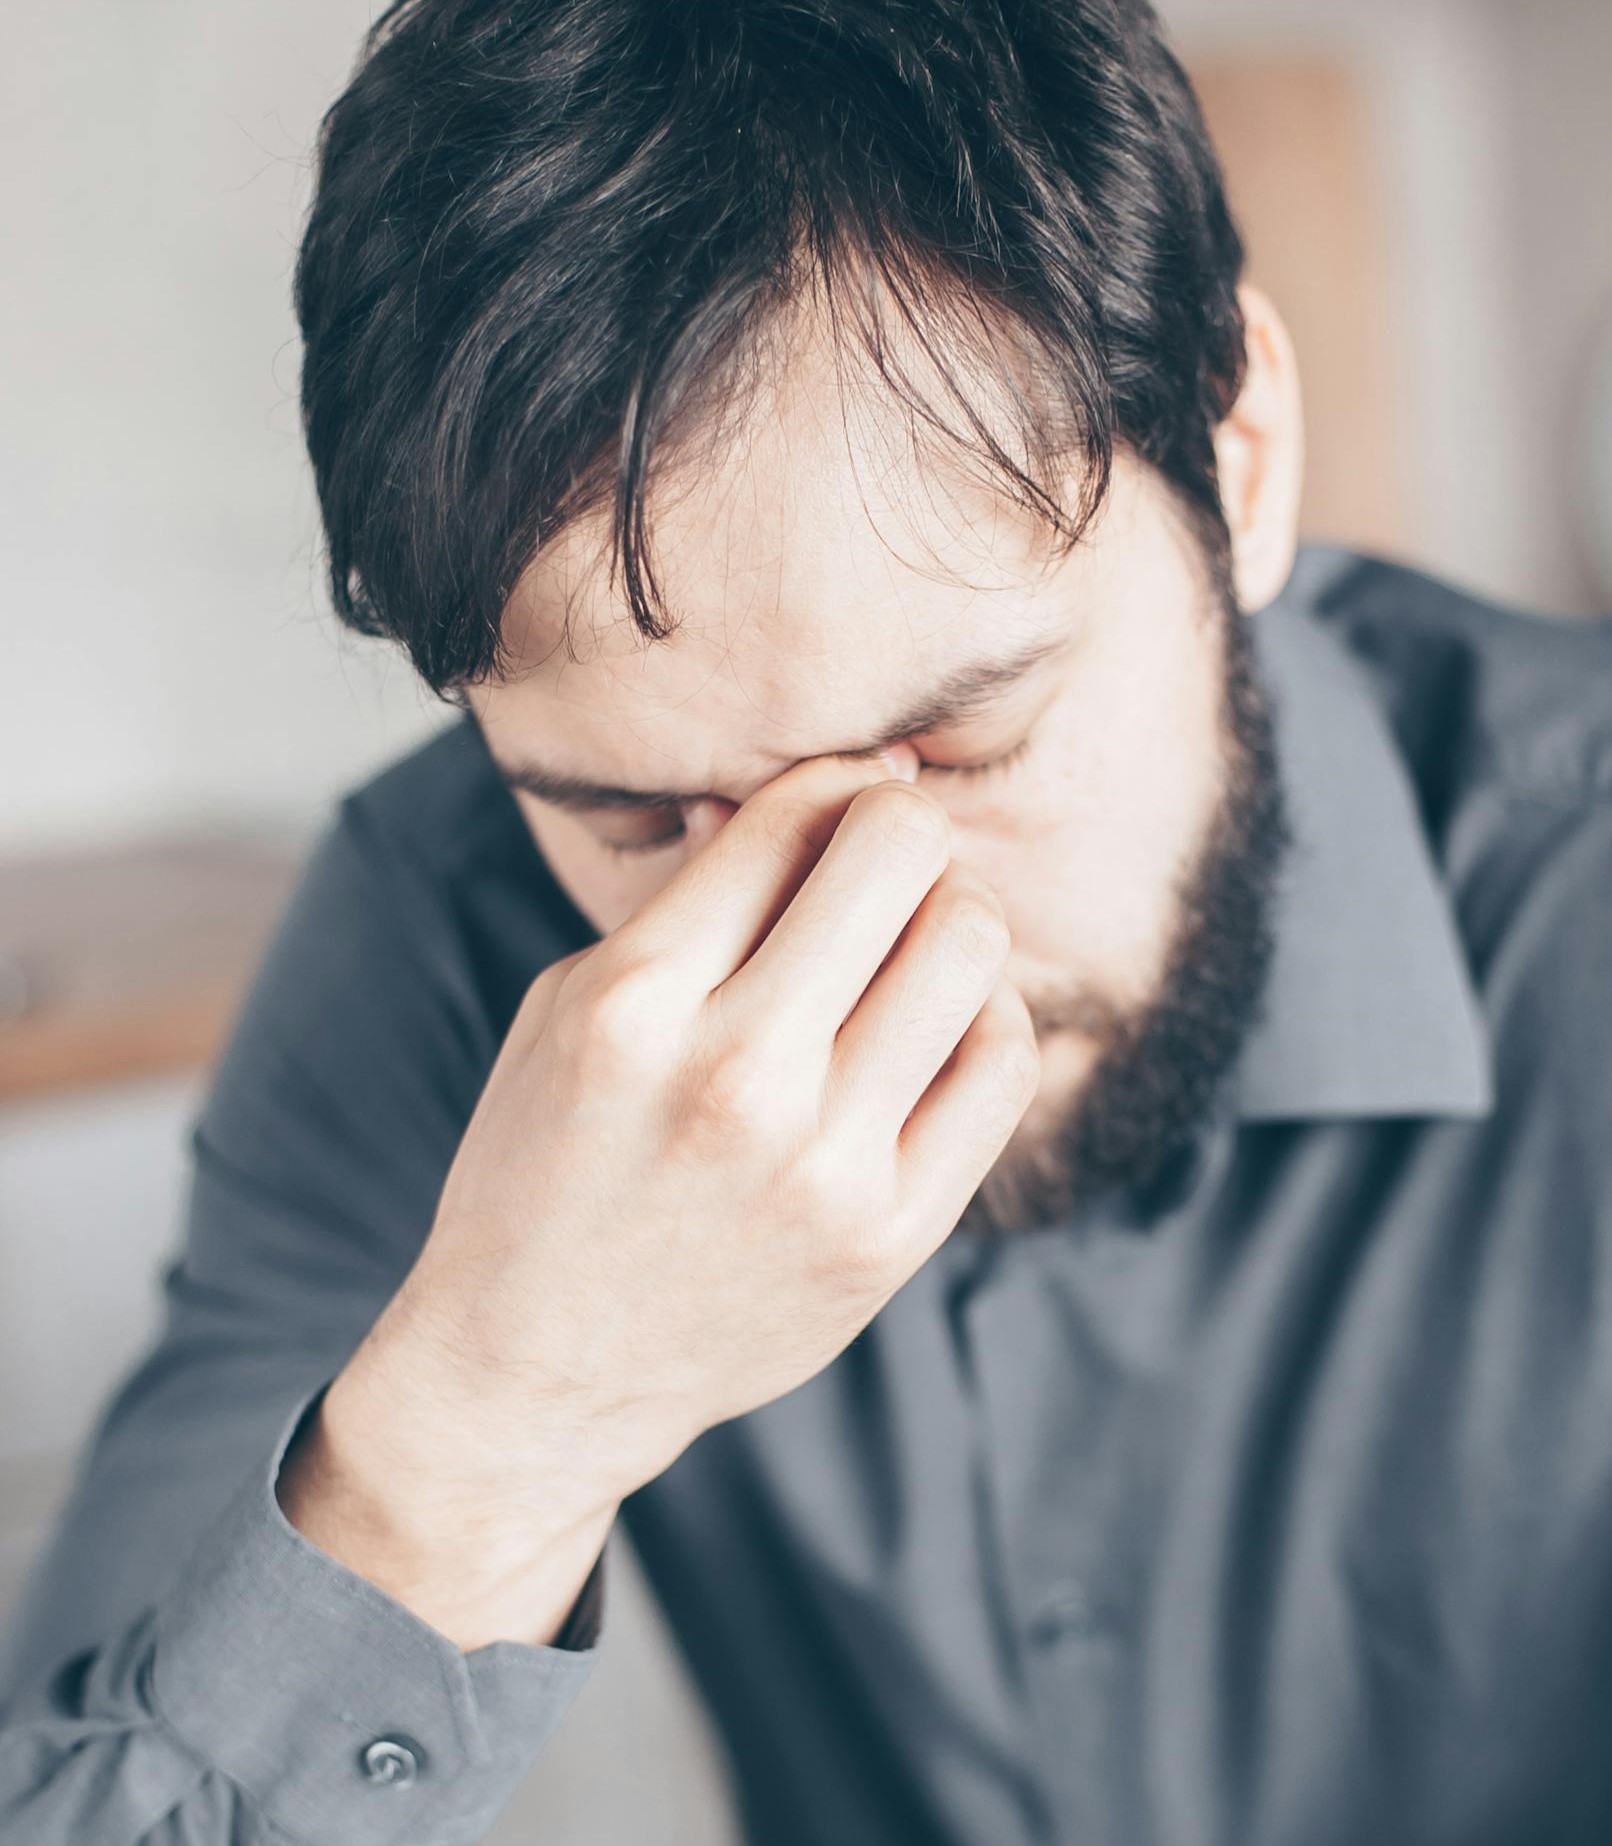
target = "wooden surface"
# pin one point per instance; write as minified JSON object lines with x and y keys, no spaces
{"x":129,"y":963}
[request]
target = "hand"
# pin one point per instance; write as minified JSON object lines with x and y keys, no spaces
{"x":712,"y":1146}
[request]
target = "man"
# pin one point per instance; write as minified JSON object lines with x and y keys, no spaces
{"x":1017,"y":1083}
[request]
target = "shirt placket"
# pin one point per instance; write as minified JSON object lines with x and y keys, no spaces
{"x":1073,"y":1421}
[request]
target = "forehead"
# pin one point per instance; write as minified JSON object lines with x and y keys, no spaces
{"x":824,"y":568}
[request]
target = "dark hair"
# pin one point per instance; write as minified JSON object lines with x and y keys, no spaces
{"x":547,"y":236}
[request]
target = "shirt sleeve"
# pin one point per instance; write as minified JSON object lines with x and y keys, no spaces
{"x":185,"y":1668}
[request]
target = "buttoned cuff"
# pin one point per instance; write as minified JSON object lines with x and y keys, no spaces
{"x":345,"y":1717}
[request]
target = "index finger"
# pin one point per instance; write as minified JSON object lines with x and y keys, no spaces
{"x":716,"y":911}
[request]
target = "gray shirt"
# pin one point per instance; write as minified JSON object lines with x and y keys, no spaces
{"x":1273,"y":1509}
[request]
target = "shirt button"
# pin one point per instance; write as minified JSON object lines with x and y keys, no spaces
{"x":1067,"y":1612}
{"x":394,"y":1760}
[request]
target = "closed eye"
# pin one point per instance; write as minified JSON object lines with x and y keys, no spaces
{"x":991,"y":766}
{"x":659,"y":844}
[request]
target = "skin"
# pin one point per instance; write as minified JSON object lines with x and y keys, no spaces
{"x":824,"y":577}
{"x":715,"y":1142}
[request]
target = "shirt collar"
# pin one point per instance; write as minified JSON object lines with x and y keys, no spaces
{"x":1370,"y":1008}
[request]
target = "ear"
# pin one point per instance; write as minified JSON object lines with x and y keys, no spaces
{"x":1259,"y":451}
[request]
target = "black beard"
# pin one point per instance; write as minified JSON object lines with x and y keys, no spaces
{"x":1160,"y":1067}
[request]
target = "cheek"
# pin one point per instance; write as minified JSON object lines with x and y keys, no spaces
{"x":1084,"y":896}
{"x":606,"y":887}
{"x":1086,"y":855}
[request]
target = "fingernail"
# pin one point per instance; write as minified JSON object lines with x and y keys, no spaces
{"x":902,"y":760}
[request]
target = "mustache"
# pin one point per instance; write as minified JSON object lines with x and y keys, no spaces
{"x":1082,"y":1009}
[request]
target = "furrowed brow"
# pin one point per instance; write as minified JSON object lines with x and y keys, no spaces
{"x":964,"y":693}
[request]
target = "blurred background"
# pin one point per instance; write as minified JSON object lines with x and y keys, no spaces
{"x":1426,"y":190}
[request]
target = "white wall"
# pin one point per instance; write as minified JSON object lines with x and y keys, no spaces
{"x":1557,"y":56}
{"x":164,"y":654}
{"x":166,"y":658}
{"x":1495,"y":122}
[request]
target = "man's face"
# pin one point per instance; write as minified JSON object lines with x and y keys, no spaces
{"x":826,"y":579}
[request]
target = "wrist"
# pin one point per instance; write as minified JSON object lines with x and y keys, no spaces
{"x":431,"y":1539}
{"x":439,"y":1462}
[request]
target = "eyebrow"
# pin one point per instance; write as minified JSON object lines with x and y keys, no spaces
{"x":962,"y":694}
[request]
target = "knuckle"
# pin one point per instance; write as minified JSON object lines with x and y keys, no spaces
{"x":784,"y":830}
{"x":735,"y":1093}
{"x":621,"y":1013}
{"x":823,"y":1179}
{"x":851,"y":1215}
{"x":979,"y":929}
{"x":906,"y":820}
{"x":547,"y":984}
{"x":863,"y":1261}
{"x":960,"y":879}
{"x":1013,"y":1065}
